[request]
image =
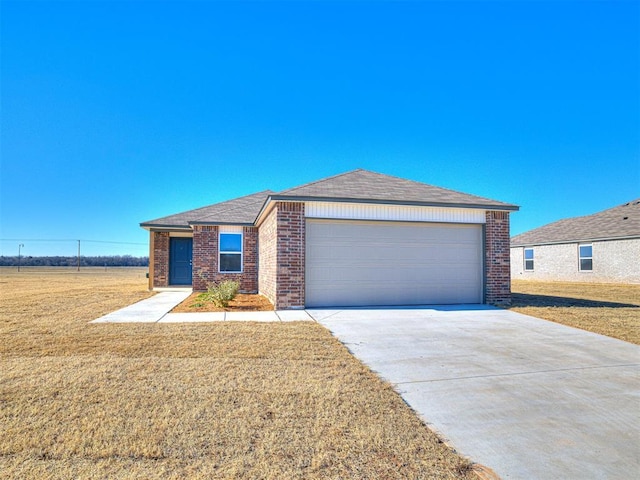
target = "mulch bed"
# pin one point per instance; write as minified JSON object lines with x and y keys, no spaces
{"x":244,"y":302}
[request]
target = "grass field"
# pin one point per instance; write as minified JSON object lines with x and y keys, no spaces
{"x":607,"y":309}
{"x":174,"y":401}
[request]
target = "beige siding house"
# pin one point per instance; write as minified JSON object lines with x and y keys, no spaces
{"x":603,"y":247}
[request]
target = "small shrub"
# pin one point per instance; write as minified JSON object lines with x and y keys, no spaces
{"x":201,"y":301}
{"x":222,"y":293}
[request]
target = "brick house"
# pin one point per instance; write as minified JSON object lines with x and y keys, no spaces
{"x":603,"y":247}
{"x":355,"y":239}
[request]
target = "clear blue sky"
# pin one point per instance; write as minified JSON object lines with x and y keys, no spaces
{"x":118,"y":112}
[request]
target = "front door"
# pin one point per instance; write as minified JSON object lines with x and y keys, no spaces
{"x":180,"y":250}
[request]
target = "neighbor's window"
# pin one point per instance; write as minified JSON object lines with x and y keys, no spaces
{"x":230,"y":252}
{"x":586,"y":258}
{"x":528,"y":259}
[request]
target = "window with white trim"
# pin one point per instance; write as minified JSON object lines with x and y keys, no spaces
{"x":230,"y":246}
{"x":585,"y":262}
{"x":528,"y":259}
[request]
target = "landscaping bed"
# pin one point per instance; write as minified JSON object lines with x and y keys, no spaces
{"x":243,"y":302}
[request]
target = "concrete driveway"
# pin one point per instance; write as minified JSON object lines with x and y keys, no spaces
{"x":529,"y":398}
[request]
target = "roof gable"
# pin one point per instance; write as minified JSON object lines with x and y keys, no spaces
{"x":355,"y":186}
{"x":622,"y":221}
{"x":364,"y":185}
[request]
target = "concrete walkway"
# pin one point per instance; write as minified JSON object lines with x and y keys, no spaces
{"x":156,"y":309}
{"x":529,"y":398}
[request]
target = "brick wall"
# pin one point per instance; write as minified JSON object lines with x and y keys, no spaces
{"x":290,"y":278}
{"x":205,"y":256}
{"x":205,"y":259}
{"x":160,"y":266}
{"x":249,"y":281}
{"x":268,"y":253}
{"x":497,"y":259}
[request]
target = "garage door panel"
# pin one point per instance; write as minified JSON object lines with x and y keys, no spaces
{"x":388,"y":263}
{"x":371,"y":295}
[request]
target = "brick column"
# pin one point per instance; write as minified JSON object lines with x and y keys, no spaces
{"x":160,"y":245}
{"x":249,"y":278}
{"x":497,"y":259}
{"x":205,"y":256}
{"x":268,"y":257}
{"x":290,"y":236}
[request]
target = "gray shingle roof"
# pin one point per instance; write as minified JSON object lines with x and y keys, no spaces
{"x":243,"y":210}
{"x":364,"y":185}
{"x":622,"y":221}
{"x":358,"y":185}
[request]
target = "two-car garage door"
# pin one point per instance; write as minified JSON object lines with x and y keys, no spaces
{"x":357,"y":263}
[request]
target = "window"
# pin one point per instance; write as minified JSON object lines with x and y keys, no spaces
{"x":586,"y":258}
{"x":528,"y":259}
{"x":230,"y":253}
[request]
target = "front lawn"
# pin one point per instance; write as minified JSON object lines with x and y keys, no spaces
{"x":607,"y":309}
{"x":215,"y":400}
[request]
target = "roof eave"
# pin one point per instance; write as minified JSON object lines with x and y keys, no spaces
{"x":161,"y":226}
{"x":582,"y":240}
{"x":303,"y":198}
{"x":266,"y":207}
{"x":235,"y":224}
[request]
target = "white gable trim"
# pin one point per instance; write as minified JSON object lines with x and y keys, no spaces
{"x":230,"y":229}
{"x":405,"y":213}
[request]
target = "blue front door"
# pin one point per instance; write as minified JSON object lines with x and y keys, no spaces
{"x":180,"y":250}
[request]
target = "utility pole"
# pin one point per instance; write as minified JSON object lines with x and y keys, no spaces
{"x":78,"y":255}
{"x":20,"y":246}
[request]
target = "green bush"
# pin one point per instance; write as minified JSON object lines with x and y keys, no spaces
{"x":222,"y":293}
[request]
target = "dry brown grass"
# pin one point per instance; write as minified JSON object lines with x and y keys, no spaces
{"x":607,"y":309}
{"x":225,"y":400}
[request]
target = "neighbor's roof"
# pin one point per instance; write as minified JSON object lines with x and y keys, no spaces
{"x":358,"y":185}
{"x":618,"y":222}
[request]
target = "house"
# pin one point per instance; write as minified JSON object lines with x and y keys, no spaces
{"x":355,"y":239}
{"x":603,"y":247}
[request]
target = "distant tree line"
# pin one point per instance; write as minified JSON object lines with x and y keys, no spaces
{"x":53,"y":261}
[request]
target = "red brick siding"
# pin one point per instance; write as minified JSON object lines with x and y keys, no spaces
{"x":290,"y":279}
{"x":205,"y":259}
{"x":497,"y":259}
{"x":160,"y":246}
{"x":249,"y":282}
{"x":268,"y":253}
{"x":205,"y":256}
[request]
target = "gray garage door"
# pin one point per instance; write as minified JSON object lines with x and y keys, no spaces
{"x":359,"y":263}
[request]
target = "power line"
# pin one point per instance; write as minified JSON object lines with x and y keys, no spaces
{"x":37,"y":240}
{"x":117,"y":243}
{"x":67,"y":240}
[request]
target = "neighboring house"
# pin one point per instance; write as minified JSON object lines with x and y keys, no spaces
{"x":355,"y":239}
{"x":603,"y":247}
